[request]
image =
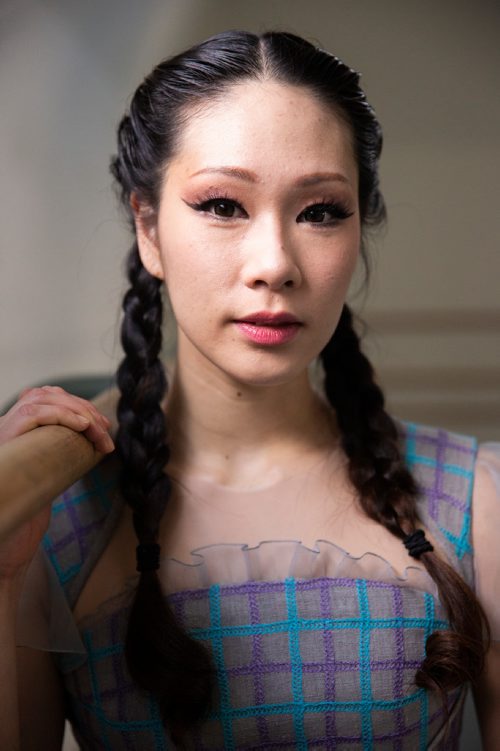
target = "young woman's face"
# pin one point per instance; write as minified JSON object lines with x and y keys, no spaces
{"x":258,"y":232}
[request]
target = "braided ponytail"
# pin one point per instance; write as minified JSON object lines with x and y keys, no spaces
{"x":161,"y":657}
{"x":388,"y":494}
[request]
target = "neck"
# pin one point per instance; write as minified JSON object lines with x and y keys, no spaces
{"x":230,"y":433}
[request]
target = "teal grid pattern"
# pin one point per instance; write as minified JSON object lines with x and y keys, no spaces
{"x":322,"y":663}
{"x":118,"y":716}
{"x":444,"y":465}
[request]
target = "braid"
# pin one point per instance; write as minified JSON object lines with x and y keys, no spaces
{"x":388,"y":494}
{"x":161,"y":657}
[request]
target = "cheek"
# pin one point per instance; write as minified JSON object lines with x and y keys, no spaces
{"x":195,"y":279}
{"x":334,"y":268}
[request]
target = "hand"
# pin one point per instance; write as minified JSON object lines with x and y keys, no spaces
{"x":51,"y":405}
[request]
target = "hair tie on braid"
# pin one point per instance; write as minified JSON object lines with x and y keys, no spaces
{"x":416,"y":543}
{"x":388,"y":494}
{"x":148,"y":556}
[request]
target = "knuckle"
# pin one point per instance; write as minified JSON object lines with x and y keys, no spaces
{"x":27,"y":410}
{"x":36,"y":393}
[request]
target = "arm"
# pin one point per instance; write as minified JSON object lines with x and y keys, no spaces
{"x":485,"y":526}
{"x":41,"y":701}
{"x":31,"y":705}
{"x":9,"y":729}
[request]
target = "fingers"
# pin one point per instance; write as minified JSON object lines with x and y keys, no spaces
{"x":100,"y":438}
{"x":58,"y":396}
{"x":51,"y":405}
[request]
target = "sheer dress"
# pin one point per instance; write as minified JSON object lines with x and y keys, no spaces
{"x":314,"y":646}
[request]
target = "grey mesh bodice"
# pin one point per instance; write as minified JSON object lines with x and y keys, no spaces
{"x":325,"y":662}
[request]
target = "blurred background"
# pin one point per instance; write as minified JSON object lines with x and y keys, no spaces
{"x":431,"y":70}
{"x":432,"y":312}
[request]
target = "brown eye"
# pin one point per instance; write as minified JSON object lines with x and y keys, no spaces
{"x":224,"y":208}
{"x":324,"y":213}
{"x":314,"y":215}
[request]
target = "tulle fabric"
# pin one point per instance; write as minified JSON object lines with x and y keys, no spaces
{"x":46,"y":622}
{"x":275,"y":560}
{"x":44,"y":619}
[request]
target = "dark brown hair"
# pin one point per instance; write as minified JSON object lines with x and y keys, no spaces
{"x":161,"y":657}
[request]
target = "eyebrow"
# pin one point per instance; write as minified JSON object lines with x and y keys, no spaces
{"x":248,"y":176}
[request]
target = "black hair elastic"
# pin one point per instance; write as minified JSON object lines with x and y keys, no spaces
{"x":416,"y":543}
{"x":148,"y":556}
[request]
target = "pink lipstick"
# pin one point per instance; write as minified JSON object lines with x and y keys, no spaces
{"x":269,"y":329}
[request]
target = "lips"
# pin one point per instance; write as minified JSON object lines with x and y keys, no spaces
{"x":264,"y":318}
{"x":269,"y":329}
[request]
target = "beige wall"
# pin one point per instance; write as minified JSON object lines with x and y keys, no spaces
{"x":67,"y":68}
{"x":430,"y":69}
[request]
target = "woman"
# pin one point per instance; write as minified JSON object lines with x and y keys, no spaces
{"x":248,"y":166}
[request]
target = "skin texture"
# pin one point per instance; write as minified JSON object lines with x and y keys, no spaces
{"x":217,"y":268}
{"x":266,"y":255}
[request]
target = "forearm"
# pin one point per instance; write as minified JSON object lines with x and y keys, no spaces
{"x":9,"y":709}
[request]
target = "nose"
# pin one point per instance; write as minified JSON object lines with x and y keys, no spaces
{"x":270,"y":258}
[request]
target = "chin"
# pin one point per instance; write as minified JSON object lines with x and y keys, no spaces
{"x":260,"y":376}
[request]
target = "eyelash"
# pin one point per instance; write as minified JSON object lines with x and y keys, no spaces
{"x":337,"y":209}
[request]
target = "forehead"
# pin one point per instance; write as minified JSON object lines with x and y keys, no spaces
{"x":259,"y":124}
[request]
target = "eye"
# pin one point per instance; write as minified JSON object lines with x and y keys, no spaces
{"x":223,"y":208}
{"x":324,"y":213}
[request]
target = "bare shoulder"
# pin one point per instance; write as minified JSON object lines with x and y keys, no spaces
{"x":41,"y":701}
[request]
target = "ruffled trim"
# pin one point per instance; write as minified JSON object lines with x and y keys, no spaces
{"x":269,"y":561}
{"x":276,"y":560}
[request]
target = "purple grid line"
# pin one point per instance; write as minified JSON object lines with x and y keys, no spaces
{"x":108,"y":693}
{"x":438,"y":476}
{"x":257,"y":664}
{"x":398,"y":672}
{"x":395,"y":736}
{"x":446,"y":441}
{"x":82,"y":536}
{"x":178,"y":607}
{"x":451,"y":500}
{"x":325,"y":609}
{"x":409,"y":728}
{"x":230,"y":590}
{"x":79,"y":534}
{"x":319,"y":667}
{"x":78,"y":531}
{"x":235,"y":590}
{"x":322,"y":667}
{"x":187,"y":594}
{"x":313,"y":584}
{"x":63,"y":542}
{"x":290,"y":745}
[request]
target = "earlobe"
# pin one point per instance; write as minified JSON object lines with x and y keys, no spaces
{"x":147,"y":237}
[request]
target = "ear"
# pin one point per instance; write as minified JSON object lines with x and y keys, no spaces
{"x":147,"y":236}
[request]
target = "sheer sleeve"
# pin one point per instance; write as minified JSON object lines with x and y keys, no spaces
{"x":44,"y":618}
{"x":486,"y":532}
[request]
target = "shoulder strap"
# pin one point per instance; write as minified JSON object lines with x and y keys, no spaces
{"x":443,"y":465}
{"x":82,"y":521}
